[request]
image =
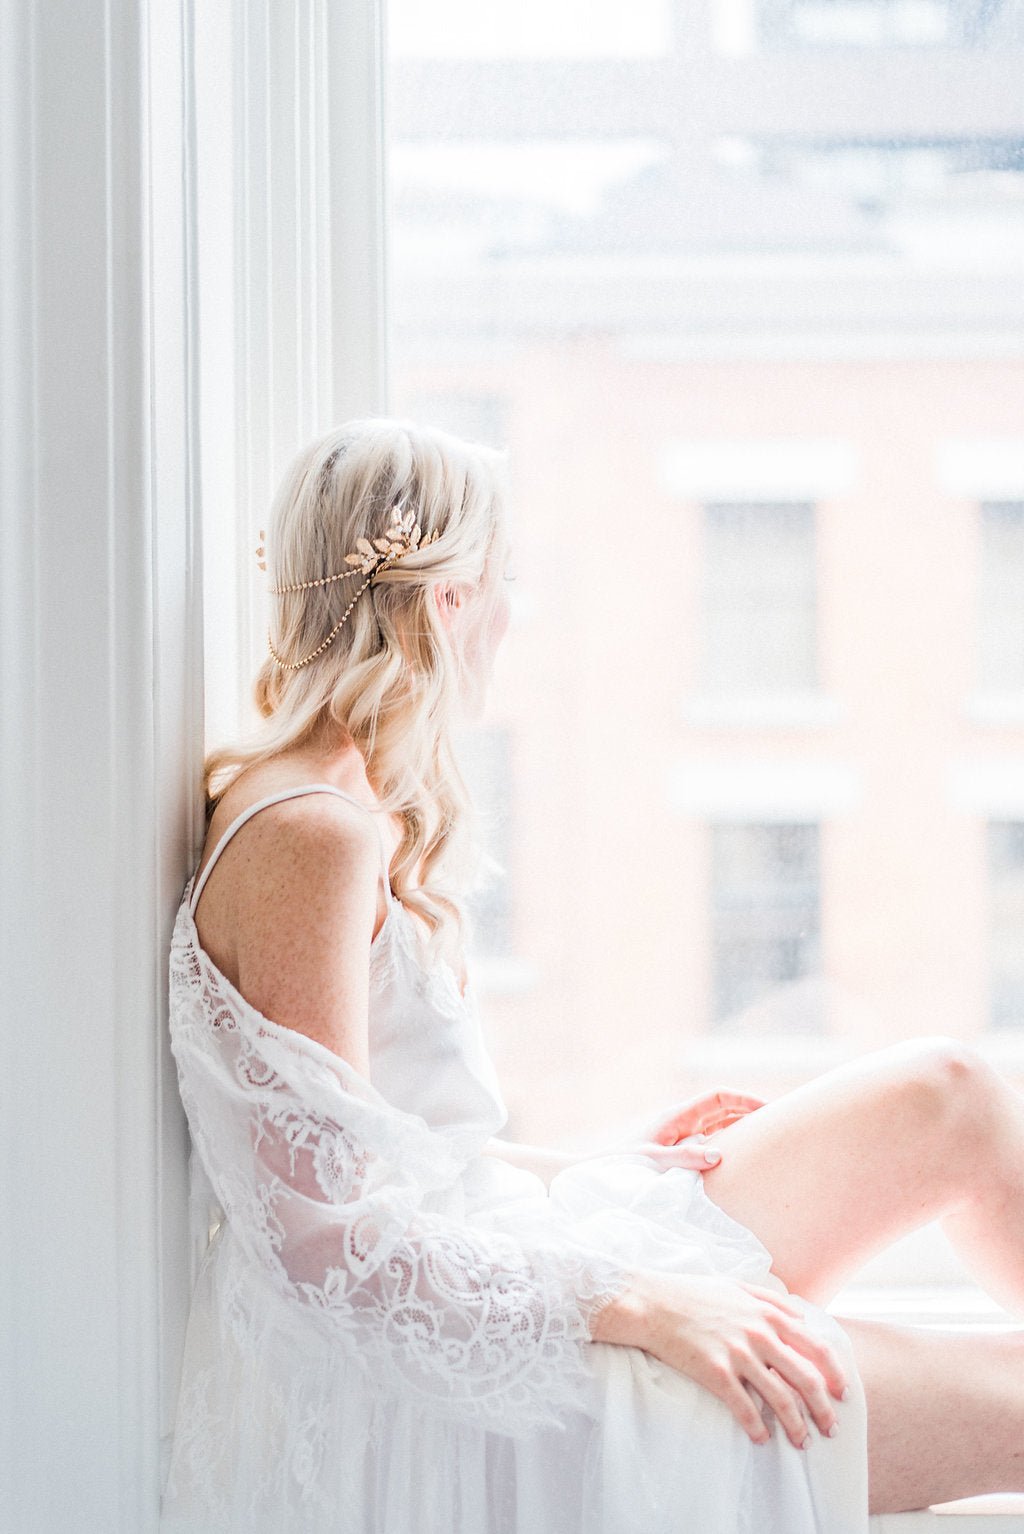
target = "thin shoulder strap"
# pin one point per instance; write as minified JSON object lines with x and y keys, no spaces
{"x":290,"y":793}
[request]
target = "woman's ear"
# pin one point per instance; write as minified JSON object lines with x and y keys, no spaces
{"x":448,"y":598}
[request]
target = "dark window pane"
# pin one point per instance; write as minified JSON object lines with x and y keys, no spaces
{"x":766,"y":925}
{"x":890,"y":23}
{"x":1001,"y":597}
{"x":1006,"y":922}
{"x":759,"y":599}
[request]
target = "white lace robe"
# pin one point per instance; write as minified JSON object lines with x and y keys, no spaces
{"x":379,"y":1345}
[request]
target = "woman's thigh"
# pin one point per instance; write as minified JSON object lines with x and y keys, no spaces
{"x":841,"y":1166}
{"x":945,"y":1412}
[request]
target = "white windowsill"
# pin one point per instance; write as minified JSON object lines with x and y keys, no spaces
{"x":959,"y":1307}
{"x":790,"y":711}
{"x":784,"y":1053}
{"x":946,"y":1307}
{"x":781,"y":1053}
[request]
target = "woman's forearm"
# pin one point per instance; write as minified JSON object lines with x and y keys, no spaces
{"x":544,"y":1163}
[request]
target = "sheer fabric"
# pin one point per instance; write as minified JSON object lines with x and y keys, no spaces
{"x":336,"y":1198}
{"x":392,"y":1331}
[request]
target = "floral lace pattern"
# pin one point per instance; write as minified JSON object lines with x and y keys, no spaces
{"x":347,"y":1211}
{"x":391,"y":1332}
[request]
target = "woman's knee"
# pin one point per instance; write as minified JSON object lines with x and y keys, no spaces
{"x":950,"y":1080}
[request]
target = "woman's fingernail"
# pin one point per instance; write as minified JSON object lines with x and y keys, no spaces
{"x":712,"y":1155}
{"x":846,"y":1393}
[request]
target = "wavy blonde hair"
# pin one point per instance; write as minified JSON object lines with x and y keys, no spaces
{"x":392,"y":677}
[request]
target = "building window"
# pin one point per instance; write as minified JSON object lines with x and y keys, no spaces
{"x":1006,"y":923}
{"x":883,"y":23}
{"x":759,"y":601}
{"x":766,"y":921}
{"x":487,"y":767}
{"x":1001,"y":598}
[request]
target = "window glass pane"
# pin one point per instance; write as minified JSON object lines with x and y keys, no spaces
{"x":1006,"y":922}
{"x":759,"y":610}
{"x":766,"y":925}
{"x":740,"y":292}
{"x":857,"y":22}
{"x":1001,"y":605}
{"x":873,"y":23}
{"x":486,"y":763}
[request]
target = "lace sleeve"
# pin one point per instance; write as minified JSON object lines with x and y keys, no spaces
{"x":346,"y":1202}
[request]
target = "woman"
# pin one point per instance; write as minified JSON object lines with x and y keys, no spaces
{"x":405,"y":1323}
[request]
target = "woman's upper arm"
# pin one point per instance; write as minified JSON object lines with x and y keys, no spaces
{"x":304,"y":921}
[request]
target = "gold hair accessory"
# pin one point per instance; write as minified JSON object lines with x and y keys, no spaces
{"x":401,"y":537}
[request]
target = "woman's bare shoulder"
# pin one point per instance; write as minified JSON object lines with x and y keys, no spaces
{"x":315,"y":851}
{"x":282,"y":775}
{"x":304,"y":923}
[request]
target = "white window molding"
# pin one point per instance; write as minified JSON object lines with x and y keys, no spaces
{"x":749,"y":788}
{"x":353,"y":62}
{"x":997,"y":709}
{"x":991,"y":787}
{"x":734,"y":27}
{"x":100,"y":736}
{"x":291,"y":195}
{"x":982,"y":468}
{"x":188,"y":196}
{"x":748,"y":469}
{"x":767,"y":711}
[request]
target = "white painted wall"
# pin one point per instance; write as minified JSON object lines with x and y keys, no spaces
{"x":176,"y":318}
{"x":99,"y":733}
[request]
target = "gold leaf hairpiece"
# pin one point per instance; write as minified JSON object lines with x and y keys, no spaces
{"x":401,"y":537}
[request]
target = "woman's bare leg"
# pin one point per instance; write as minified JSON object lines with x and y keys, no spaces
{"x":835,"y":1170}
{"x":945,"y":1412}
{"x":832,"y":1172}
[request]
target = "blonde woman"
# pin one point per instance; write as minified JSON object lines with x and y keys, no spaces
{"x":405,"y":1324}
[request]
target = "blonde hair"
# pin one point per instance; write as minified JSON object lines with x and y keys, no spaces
{"x":392,"y":677}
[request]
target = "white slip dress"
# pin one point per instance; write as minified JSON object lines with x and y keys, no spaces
{"x":390,"y":1329}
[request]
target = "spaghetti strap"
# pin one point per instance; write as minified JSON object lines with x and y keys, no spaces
{"x":290,"y":793}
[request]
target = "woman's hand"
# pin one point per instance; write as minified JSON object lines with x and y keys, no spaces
{"x":702,"y":1115}
{"x":692,"y":1153}
{"x":731,"y":1337}
{"x":676,"y":1137}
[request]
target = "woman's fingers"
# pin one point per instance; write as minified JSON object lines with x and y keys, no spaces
{"x":797,"y":1338}
{"x":791,"y":1402}
{"x":686,"y":1153}
{"x":731,"y":1105}
{"x":733,"y":1385}
{"x":742,"y":1100}
{"x":784,"y":1301}
{"x":809,"y":1385}
{"x":726,"y":1335}
{"x":792,"y":1328}
{"x":711,"y":1124}
{"x":709,"y":1109}
{"x":785,"y":1403}
{"x":720,"y":1118}
{"x":730,"y":1389}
